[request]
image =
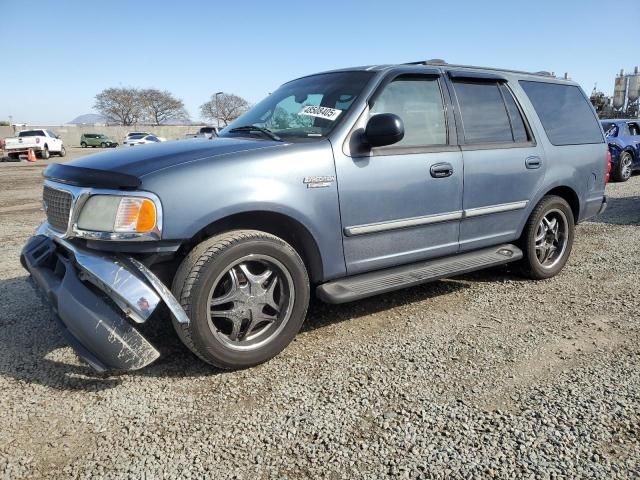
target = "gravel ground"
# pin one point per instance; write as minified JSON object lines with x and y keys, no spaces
{"x":482,"y":376}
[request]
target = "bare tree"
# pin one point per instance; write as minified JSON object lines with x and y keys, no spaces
{"x":121,"y":105}
{"x":160,"y":106}
{"x":227,"y":107}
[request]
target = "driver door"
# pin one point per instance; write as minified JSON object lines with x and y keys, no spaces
{"x":403,"y":203}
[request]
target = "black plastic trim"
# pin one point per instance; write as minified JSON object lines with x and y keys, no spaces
{"x":475,"y":76}
{"x":90,"y":177}
{"x":373,"y":283}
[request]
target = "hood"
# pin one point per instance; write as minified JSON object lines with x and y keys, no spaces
{"x":139,"y":161}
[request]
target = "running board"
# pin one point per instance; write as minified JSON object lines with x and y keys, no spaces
{"x":373,"y":283}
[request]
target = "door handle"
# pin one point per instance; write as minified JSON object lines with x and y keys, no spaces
{"x":441,"y":170}
{"x":533,"y":162}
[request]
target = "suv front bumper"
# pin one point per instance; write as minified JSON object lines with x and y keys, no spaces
{"x":98,"y":299}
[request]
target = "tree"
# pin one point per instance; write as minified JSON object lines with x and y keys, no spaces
{"x":121,"y":105}
{"x":227,"y":108}
{"x":160,"y":106}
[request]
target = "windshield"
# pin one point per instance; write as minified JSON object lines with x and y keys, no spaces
{"x":610,"y":129}
{"x":305,"y":108}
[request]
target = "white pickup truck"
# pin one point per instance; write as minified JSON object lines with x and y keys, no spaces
{"x":43,"y":143}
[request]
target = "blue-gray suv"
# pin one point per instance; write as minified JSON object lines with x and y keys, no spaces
{"x":345,"y":184}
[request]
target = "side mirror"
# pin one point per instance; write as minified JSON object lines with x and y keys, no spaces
{"x":384,"y":129}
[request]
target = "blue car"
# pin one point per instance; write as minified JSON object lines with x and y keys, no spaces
{"x":623,"y":137}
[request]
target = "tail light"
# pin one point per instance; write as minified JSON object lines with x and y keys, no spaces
{"x":37,"y":140}
{"x":608,"y":170}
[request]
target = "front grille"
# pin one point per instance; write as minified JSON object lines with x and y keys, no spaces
{"x":57,"y":206}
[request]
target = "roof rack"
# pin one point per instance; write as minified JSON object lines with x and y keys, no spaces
{"x":440,"y":62}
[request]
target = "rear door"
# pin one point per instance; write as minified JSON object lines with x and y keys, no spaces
{"x":403,"y":203}
{"x":504,"y":167}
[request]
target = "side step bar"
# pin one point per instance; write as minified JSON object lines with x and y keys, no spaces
{"x":373,"y":283}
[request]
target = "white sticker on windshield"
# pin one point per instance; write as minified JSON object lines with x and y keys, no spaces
{"x":320,"y":112}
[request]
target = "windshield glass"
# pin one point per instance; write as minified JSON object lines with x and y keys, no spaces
{"x":305,"y":108}
{"x":610,"y":129}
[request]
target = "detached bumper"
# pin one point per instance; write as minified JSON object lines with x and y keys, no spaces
{"x":98,"y":299}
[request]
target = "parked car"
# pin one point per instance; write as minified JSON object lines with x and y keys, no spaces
{"x":97,"y":140}
{"x":133,"y":134}
{"x":204,"y":132}
{"x":43,"y":143}
{"x":345,"y":184}
{"x":624,"y":144}
{"x":143,"y":139}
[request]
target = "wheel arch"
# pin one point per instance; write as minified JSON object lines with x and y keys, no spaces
{"x":571,"y":197}
{"x":289,"y":229}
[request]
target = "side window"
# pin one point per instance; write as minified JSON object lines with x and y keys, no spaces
{"x":634,"y":129}
{"x":518,"y":128}
{"x":565,"y":113}
{"x":484,"y":116}
{"x":418,"y":102}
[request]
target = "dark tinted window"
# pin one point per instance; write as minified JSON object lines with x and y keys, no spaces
{"x":517,"y":122}
{"x":418,"y":102}
{"x":136,"y":136}
{"x":634,"y":129}
{"x":31,"y":133}
{"x":610,"y":128}
{"x":484,"y":116}
{"x":565,"y":113}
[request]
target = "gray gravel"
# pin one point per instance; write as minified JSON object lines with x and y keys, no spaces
{"x":482,"y":376}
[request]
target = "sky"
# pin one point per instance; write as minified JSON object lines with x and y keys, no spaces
{"x":52,"y":68}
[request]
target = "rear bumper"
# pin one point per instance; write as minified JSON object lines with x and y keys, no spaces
{"x":21,"y":149}
{"x":98,"y":300}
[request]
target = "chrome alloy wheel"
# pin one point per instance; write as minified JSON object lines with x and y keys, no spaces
{"x":551,"y":238}
{"x":250,"y":302}
{"x":625,"y":165}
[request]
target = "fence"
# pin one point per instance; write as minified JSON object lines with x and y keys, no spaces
{"x":70,"y":134}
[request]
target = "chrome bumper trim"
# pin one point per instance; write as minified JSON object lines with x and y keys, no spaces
{"x":138,"y":294}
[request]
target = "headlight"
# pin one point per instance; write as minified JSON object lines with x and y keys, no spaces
{"x":126,"y":215}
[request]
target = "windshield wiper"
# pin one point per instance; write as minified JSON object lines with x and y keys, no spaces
{"x":255,"y":128}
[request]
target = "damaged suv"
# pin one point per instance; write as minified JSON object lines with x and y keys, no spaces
{"x":345,"y":184}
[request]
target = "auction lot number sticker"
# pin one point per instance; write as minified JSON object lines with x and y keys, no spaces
{"x":320,"y":112}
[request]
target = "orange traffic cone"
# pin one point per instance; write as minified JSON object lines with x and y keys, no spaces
{"x":31,"y":157}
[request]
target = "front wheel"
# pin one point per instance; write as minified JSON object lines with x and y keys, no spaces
{"x":44,"y":153}
{"x":246,"y":293}
{"x":623,"y":170}
{"x":63,"y":151}
{"x":548,"y":238}
{"x":83,"y":144}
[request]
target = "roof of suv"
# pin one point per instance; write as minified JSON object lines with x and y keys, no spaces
{"x":441,"y":64}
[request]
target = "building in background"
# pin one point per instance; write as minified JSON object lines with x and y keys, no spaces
{"x":625,"y":101}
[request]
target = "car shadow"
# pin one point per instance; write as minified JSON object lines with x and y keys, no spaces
{"x":620,"y":211}
{"x":30,"y":340}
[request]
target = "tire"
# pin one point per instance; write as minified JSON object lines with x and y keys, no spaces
{"x":624,"y":168}
{"x":83,"y":144}
{"x":44,"y":153}
{"x":63,"y":151}
{"x":103,"y":145}
{"x":210,"y":272}
{"x":535,"y":248}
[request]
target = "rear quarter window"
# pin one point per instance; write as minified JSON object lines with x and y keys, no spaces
{"x":565,"y":113}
